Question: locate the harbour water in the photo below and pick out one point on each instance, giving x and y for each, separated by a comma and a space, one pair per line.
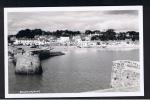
79, 70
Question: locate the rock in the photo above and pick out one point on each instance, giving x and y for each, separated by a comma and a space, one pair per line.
28, 64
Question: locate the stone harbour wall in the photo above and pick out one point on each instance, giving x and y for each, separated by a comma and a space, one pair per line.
125, 73
27, 63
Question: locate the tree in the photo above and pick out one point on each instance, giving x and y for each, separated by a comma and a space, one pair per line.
121, 36
111, 34
37, 32
96, 37
133, 35
87, 32
27, 33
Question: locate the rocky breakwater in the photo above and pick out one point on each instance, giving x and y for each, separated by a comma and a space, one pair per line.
28, 63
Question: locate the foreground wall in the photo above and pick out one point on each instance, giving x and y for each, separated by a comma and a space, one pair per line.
125, 74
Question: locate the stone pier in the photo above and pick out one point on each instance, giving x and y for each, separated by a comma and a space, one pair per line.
125, 74
125, 77
28, 63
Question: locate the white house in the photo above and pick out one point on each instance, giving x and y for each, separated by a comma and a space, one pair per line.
77, 38
30, 42
63, 39
87, 38
87, 44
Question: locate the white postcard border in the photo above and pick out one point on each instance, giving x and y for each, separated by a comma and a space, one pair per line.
57, 95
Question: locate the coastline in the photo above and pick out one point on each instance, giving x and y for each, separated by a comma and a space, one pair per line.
109, 47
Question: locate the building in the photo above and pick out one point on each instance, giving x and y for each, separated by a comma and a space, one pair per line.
87, 44
76, 39
63, 39
30, 42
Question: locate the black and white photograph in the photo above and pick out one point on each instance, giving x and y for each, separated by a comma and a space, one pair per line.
73, 51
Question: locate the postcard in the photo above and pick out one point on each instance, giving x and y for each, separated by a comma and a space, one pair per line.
92, 51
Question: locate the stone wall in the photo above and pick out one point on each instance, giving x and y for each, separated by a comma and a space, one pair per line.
26, 63
125, 74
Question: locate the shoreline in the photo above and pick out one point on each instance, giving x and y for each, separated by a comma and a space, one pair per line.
114, 48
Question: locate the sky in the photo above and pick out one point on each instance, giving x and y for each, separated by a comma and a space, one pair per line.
119, 20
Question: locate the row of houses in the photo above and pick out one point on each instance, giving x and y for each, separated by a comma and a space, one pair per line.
75, 41
29, 42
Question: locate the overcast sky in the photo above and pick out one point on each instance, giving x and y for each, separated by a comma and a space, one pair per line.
120, 20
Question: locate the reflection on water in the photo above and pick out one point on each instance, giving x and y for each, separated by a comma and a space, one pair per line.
81, 69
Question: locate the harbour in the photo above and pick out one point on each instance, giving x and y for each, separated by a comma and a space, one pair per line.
72, 72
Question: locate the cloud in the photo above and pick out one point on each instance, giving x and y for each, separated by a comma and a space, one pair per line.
127, 12
75, 20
